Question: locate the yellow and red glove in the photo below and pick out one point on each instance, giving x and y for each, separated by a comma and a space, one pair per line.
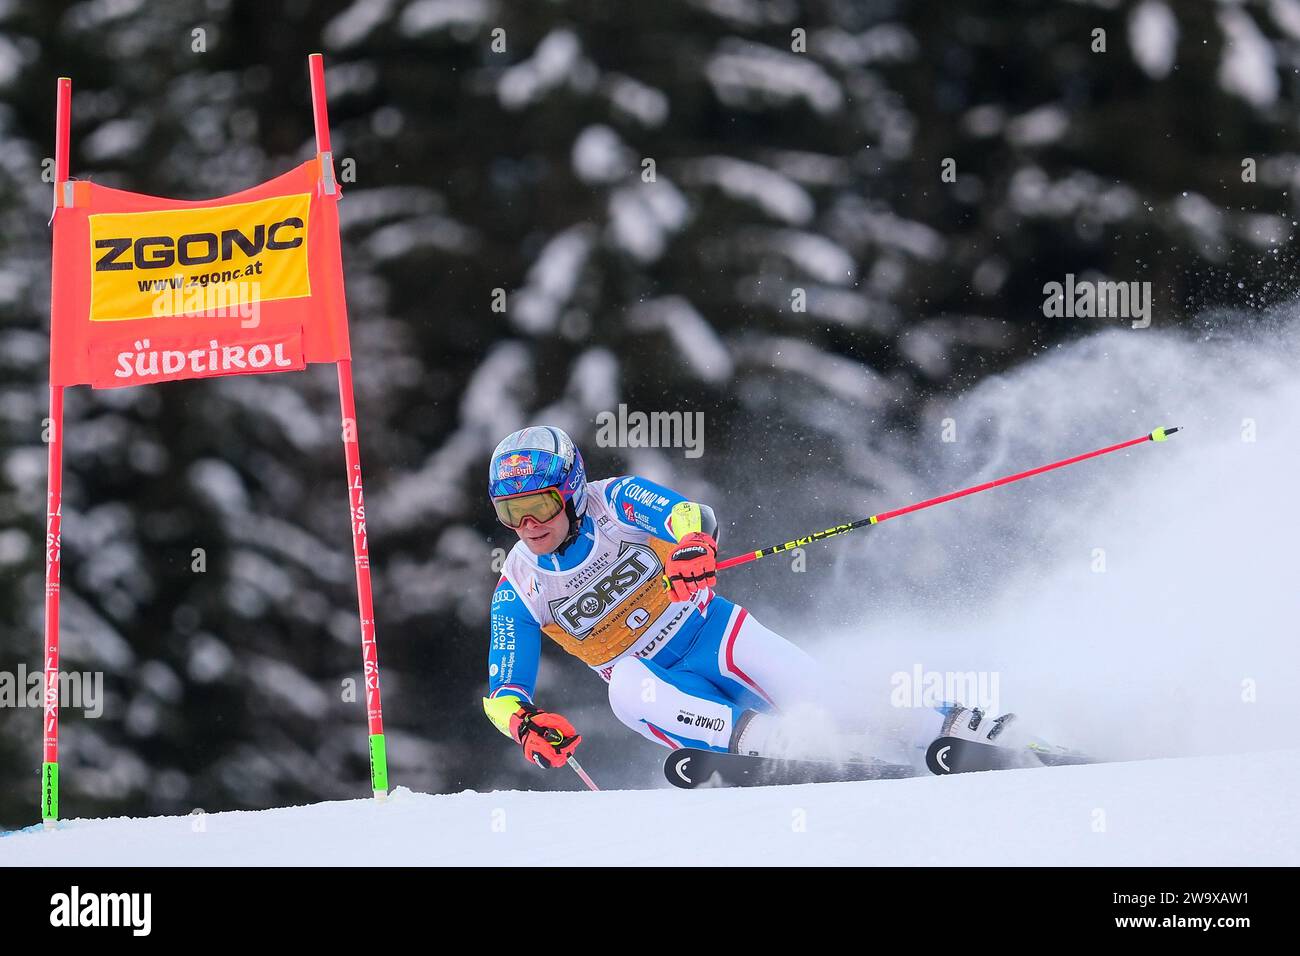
693, 565
548, 739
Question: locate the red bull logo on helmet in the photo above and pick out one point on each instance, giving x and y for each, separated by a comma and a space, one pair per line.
514, 466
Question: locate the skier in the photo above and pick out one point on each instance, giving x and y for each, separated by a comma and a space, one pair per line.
620, 573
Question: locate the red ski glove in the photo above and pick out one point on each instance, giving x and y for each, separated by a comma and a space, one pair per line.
548, 739
693, 565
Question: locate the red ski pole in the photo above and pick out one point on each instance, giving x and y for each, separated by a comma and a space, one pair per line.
555, 737
582, 774
1160, 434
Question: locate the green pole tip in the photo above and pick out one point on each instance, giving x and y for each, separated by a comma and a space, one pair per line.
1162, 434
378, 763
49, 792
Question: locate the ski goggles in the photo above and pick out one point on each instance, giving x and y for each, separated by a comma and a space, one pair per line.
541, 506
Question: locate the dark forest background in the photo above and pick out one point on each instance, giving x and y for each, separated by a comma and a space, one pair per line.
798, 151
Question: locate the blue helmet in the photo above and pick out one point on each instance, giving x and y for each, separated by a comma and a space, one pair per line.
533, 459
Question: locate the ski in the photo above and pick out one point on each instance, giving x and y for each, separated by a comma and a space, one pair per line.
948, 755
690, 769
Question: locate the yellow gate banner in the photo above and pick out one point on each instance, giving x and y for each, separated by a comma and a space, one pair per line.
187, 261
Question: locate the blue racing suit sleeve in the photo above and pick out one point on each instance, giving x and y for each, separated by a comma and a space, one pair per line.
643, 504
516, 645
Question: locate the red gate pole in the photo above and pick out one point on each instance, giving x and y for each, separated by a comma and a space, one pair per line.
356, 493
54, 507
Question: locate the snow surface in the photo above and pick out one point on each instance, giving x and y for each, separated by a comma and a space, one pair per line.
1221, 810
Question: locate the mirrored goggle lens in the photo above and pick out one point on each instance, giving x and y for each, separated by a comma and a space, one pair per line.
539, 505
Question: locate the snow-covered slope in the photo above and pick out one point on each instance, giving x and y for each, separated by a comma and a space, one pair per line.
1221, 810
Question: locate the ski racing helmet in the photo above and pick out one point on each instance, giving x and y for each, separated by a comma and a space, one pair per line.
537, 472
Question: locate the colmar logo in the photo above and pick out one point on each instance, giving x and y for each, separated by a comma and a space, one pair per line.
696, 720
